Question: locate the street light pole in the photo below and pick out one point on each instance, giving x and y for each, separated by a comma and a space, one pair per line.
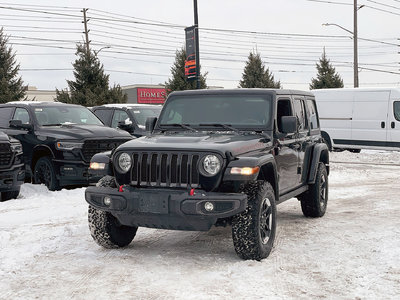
196, 35
355, 41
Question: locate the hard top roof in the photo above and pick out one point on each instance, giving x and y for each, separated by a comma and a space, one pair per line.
241, 91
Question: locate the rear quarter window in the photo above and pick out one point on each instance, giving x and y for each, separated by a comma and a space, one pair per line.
312, 114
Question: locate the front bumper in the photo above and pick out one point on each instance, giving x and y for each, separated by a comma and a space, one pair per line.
166, 208
11, 179
71, 172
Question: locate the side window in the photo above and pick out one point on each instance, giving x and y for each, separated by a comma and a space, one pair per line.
22, 115
119, 115
300, 114
396, 110
283, 109
5, 116
313, 119
104, 115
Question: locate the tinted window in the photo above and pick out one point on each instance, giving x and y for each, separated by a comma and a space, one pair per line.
104, 115
119, 115
313, 119
22, 115
300, 114
57, 115
142, 113
245, 111
5, 116
283, 109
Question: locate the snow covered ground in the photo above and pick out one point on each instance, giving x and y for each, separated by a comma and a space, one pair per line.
353, 252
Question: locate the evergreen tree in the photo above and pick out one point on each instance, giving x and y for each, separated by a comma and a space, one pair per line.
327, 77
178, 81
91, 85
256, 76
11, 85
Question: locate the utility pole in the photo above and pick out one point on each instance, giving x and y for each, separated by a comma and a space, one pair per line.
196, 31
355, 38
85, 20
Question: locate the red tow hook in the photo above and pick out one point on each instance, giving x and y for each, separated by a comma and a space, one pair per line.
191, 193
121, 188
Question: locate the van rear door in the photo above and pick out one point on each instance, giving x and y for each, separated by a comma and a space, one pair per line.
370, 118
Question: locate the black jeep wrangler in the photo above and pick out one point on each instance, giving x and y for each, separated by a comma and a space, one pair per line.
215, 157
58, 140
11, 167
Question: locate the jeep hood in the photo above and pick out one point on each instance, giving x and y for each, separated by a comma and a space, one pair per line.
198, 142
79, 132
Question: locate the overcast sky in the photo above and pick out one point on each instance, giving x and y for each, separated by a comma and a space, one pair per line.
142, 36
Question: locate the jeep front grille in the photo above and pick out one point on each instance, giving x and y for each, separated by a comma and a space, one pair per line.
92, 147
165, 169
5, 154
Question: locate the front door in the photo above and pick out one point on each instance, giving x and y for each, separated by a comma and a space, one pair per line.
394, 124
286, 152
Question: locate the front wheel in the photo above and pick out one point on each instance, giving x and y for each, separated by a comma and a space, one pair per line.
253, 231
105, 229
45, 173
315, 200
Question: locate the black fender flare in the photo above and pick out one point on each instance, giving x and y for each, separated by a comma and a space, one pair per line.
103, 157
267, 172
320, 154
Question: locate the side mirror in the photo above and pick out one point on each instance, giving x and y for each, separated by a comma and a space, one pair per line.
18, 124
289, 124
125, 126
150, 124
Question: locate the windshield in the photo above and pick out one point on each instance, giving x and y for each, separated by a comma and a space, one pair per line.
62, 115
239, 111
142, 113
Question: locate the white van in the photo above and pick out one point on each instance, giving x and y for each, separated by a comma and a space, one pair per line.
360, 118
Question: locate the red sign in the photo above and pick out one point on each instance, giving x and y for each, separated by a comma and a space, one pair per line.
151, 96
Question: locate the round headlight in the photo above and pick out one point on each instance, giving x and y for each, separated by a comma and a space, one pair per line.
124, 162
211, 165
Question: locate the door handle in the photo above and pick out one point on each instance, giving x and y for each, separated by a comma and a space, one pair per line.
382, 124
393, 125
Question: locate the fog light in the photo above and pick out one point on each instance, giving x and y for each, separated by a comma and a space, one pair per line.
208, 206
107, 201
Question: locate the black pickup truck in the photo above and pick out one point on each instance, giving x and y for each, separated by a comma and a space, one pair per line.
11, 167
58, 140
215, 157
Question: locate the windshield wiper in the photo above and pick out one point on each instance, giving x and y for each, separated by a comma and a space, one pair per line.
55, 124
185, 126
225, 126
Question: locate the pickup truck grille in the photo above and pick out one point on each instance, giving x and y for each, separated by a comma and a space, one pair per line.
92, 147
165, 169
5, 154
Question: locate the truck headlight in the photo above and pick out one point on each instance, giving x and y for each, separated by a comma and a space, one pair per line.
66, 145
211, 165
124, 162
16, 148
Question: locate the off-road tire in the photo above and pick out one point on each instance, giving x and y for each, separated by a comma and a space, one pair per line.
315, 200
44, 172
253, 231
105, 229
9, 195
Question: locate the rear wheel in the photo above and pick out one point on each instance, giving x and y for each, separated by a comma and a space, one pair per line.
9, 195
253, 230
315, 200
44, 173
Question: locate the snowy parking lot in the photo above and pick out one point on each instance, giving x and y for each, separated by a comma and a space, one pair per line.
353, 252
